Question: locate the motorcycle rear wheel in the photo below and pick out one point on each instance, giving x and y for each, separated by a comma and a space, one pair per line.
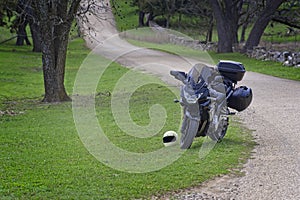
221, 132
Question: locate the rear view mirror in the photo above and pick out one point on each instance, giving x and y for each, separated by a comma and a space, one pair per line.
179, 75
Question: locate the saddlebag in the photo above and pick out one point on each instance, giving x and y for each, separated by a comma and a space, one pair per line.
240, 98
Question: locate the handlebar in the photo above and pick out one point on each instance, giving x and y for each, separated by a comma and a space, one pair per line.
179, 75
212, 98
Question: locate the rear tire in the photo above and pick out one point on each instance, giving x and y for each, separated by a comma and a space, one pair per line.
221, 132
188, 133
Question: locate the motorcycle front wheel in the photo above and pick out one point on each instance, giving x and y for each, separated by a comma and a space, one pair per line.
188, 133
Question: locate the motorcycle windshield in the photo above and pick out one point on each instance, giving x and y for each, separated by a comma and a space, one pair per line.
202, 77
198, 78
201, 72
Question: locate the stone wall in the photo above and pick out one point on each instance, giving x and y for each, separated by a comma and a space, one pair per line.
287, 58
181, 39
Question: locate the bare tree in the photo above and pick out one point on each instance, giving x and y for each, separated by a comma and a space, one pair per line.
16, 15
50, 23
55, 19
227, 13
201, 10
21, 23
26, 15
6, 11
165, 8
251, 9
289, 14
261, 23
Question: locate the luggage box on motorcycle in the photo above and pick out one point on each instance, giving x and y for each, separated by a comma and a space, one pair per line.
240, 99
235, 71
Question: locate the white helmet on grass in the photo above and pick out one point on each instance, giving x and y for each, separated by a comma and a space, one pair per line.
170, 138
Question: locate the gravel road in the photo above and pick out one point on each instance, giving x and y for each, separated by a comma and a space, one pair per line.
274, 170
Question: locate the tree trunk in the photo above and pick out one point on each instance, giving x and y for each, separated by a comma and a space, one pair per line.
233, 23
34, 28
179, 19
168, 19
54, 56
243, 34
257, 31
149, 17
141, 18
55, 22
225, 42
22, 22
261, 24
22, 34
36, 37
210, 30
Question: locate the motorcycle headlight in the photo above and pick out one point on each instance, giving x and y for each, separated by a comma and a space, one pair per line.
190, 98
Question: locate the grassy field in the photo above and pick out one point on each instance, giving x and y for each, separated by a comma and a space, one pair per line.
42, 156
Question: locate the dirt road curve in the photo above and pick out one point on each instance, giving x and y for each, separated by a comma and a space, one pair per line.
274, 171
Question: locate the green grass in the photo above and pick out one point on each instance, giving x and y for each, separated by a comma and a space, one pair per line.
20, 67
42, 156
126, 16
277, 33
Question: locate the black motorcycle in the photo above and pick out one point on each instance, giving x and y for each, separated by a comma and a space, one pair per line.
206, 96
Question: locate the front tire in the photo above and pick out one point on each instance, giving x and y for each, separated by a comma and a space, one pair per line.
188, 133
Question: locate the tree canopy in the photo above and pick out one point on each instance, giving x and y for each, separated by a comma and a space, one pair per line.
229, 15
